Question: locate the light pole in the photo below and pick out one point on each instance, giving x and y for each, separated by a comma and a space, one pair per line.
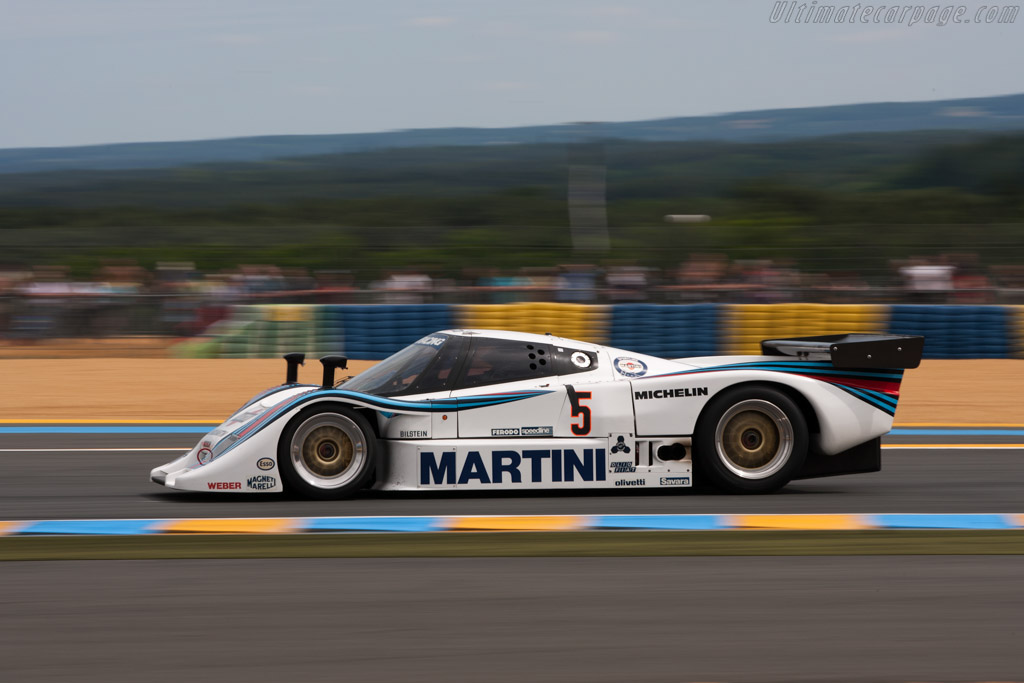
587, 192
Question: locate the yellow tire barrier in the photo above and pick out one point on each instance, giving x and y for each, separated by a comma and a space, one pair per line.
288, 313
746, 325
1017, 331
575, 321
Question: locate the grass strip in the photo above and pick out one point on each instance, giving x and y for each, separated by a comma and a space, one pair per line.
518, 544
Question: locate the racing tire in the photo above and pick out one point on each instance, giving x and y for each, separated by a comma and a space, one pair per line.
750, 440
327, 452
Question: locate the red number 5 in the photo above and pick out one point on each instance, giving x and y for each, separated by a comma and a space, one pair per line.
576, 399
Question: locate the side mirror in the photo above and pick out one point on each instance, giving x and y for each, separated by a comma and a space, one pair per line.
294, 360
331, 363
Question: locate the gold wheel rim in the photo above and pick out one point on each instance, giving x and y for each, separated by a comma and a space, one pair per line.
751, 439
754, 439
327, 451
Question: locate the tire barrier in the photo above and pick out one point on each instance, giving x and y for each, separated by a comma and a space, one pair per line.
1017, 330
670, 331
745, 325
330, 331
667, 331
376, 332
268, 330
956, 331
574, 321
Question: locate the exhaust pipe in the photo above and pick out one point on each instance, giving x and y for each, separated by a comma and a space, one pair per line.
294, 360
330, 363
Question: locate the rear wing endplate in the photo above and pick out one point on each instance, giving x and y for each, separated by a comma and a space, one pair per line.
852, 350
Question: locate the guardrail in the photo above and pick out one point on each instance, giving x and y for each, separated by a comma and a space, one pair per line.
671, 330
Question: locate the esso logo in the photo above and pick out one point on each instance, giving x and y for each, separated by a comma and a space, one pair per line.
265, 464
631, 367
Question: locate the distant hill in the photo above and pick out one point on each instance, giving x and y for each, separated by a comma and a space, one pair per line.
849, 202
635, 169
974, 114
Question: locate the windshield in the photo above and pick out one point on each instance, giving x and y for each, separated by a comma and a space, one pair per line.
396, 374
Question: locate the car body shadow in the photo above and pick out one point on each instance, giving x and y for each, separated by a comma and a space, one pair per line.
702, 490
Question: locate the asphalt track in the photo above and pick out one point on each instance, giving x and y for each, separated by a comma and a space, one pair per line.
766, 619
105, 475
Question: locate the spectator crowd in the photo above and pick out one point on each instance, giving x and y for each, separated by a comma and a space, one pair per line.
177, 299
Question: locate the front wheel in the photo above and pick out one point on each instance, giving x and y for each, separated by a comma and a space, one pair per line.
327, 451
750, 440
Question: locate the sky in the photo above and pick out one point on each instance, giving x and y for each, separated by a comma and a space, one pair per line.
79, 72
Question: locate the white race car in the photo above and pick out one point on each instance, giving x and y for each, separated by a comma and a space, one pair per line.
487, 410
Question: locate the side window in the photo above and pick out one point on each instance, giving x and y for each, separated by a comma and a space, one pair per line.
496, 361
437, 376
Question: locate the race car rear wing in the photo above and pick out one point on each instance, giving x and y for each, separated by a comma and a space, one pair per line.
852, 350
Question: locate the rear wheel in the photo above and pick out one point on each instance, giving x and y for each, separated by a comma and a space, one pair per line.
327, 451
750, 440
